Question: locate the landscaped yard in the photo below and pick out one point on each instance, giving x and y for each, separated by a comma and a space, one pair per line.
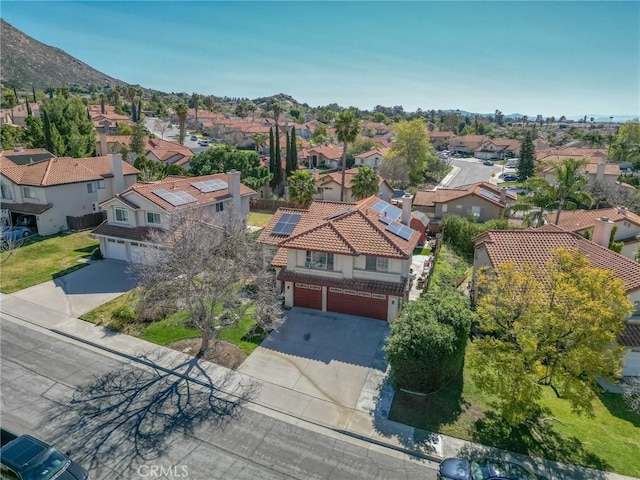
41, 259
609, 441
258, 219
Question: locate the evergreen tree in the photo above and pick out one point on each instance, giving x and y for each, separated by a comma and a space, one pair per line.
287, 155
294, 150
526, 164
278, 158
137, 140
275, 177
34, 93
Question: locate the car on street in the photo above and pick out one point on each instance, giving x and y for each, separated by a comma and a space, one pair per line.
488, 163
194, 138
203, 143
483, 469
12, 234
510, 177
27, 458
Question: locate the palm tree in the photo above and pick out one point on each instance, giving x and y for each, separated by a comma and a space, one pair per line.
259, 139
302, 188
365, 183
347, 129
540, 197
567, 189
181, 112
195, 99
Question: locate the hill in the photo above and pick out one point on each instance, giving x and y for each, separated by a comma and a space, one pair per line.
26, 62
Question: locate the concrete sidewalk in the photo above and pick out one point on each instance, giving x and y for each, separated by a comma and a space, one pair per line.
366, 422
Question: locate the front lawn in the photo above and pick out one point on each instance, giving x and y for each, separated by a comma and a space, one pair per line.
609, 441
258, 219
41, 259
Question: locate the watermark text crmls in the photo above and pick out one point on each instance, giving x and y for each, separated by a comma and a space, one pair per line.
157, 471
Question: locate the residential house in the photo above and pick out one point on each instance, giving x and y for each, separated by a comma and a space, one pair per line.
328, 154
557, 154
156, 149
483, 200
107, 123
134, 213
466, 144
18, 114
374, 158
25, 156
498, 148
582, 221
58, 193
495, 248
606, 173
330, 186
441, 140
351, 258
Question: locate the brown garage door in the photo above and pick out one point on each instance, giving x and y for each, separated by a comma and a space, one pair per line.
364, 304
308, 296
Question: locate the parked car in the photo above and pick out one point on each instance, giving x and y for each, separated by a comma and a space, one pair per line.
483, 469
509, 177
203, 143
11, 234
488, 163
27, 458
194, 138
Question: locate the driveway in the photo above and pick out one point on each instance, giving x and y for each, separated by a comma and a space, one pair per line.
82, 290
472, 170
332, 357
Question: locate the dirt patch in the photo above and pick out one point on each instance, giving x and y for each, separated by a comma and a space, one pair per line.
220, 352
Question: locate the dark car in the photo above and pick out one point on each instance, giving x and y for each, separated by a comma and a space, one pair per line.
509, 177
484, 469
488, 163
27, 458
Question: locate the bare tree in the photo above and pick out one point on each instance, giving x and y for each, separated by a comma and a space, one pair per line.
396, 171
631, 393
161, 124
8, 245
217, 274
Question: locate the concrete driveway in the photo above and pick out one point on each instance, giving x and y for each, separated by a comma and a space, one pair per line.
332, 357
82, 290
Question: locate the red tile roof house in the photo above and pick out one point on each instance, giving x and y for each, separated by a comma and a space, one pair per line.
494, 248
440, 140
374, 158
156, 149
133, 214
327, 154
579, 221
54, 189
466, 143
483, 200
351, 258
330, 185
25, 156
606, 173
498, 148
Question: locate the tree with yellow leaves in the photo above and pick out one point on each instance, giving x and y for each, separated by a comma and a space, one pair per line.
555, 326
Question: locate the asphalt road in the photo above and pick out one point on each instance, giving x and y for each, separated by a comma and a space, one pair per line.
122, 421
172, 135
472, 170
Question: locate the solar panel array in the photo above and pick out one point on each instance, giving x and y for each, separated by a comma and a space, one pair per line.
286, 224
207, 186
387, 209
174, 198
386, 220
400, 230
490, 195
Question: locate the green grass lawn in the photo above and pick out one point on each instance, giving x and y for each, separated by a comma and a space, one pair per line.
608, 441
43, 258
421, 251
258, 219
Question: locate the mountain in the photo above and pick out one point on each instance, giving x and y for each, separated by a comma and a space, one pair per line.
26, 62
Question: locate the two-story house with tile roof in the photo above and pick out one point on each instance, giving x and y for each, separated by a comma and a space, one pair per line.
330, 185
467, 144
50, 191
374, 158
326, 154
133, 214
498, 148
25, 156
483, 200
156, 149
351, 258
494, 248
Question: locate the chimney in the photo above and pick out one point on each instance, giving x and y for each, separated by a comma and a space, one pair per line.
316, 175
233, 179
118, 175
600, 172
407, 202
503, 195
602, 231
622, 210
104, 148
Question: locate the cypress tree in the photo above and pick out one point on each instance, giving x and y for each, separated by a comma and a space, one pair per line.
272, 160
287, 161
278, 158
34, 93
294, 150
526, 164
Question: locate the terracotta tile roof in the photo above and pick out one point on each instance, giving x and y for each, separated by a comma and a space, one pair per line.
5, 162
330, 151
374, 151
24, 151
609, 169
469, 139
358, 231
537, 245
176, 184
27, 208
374, 286
571, 152
348, 178
429, 198
25, 156
579, 220
136, 233
630, 336
102, 166
441, 134
280, 258
55, 171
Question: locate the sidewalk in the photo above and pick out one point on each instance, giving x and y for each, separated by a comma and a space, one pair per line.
367, 422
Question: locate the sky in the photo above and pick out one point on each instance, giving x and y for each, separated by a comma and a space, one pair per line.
546, 57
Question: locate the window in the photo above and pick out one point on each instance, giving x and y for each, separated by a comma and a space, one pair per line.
444, 208
319, 260
91, 187
476, 211
6, 191
219, 207
377, 264
28, 192
153, 218
100, 184
122, 215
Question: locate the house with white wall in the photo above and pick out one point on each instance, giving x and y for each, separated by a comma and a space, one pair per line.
374, 158
131, 216
330, 186
351, 258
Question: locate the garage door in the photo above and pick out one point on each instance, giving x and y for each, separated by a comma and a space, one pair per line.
631, 364
116, 249
137, 252
352, 302
308, 296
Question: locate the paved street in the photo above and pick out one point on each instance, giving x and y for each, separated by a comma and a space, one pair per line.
472, 170
119, 420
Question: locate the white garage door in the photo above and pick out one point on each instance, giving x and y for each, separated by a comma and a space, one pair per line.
631, 364
137, 252
116, 249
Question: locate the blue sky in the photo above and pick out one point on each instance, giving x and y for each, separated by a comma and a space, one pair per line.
550, 58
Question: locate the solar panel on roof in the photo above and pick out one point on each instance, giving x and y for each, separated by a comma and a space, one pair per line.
212, 185
489, 195
174, 198
344, 211
387, 209
386, 220
286, 224
400, 230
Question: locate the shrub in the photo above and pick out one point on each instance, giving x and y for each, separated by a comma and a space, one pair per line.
96, 254
124, 313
